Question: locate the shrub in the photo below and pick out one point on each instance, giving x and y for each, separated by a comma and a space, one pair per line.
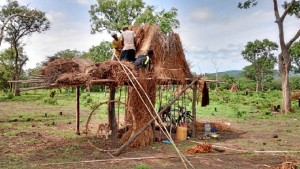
142, 166
9, 95
51, 101
52, 93
240, 114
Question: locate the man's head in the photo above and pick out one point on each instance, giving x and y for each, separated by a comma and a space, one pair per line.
113, 34
125, 28
150, 52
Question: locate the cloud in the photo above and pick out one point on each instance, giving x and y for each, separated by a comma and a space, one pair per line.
55, 15
227, 58
63, 34
201, 14
83, 2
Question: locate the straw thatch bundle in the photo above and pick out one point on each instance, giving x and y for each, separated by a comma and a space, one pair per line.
66, 72
138, 114
72, 79
111, 70
169, 61
54, 69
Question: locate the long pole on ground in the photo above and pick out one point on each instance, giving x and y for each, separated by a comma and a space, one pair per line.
132, 138
77, 110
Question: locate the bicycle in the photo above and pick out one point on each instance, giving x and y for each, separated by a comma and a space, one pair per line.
184, 117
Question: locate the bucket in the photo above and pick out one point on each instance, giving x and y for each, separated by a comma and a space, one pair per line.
181, 133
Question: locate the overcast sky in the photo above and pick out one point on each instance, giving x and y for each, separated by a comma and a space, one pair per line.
210, 30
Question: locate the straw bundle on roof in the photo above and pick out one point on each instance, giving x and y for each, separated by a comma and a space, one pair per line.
56, 68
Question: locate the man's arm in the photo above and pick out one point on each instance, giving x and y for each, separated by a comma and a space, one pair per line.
134, 42
122, 40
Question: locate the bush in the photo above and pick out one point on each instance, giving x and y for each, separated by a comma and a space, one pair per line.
52, 93
51, 101
89, 100
9, 95
142, 166
240, 113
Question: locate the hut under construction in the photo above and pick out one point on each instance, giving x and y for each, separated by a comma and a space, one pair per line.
169, 68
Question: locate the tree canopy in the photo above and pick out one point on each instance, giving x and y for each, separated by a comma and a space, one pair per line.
112, 15
9, 11
260, 55
25, 22
68, 54
99, 53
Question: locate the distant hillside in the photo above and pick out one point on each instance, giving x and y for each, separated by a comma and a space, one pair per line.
237, 73
234, 73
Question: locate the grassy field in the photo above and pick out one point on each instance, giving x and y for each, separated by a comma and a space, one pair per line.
37, 130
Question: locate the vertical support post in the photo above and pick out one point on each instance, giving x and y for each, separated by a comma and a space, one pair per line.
299, 102
112, 115
194, 110
77, 110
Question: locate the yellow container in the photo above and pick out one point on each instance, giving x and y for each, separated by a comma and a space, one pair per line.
181, 133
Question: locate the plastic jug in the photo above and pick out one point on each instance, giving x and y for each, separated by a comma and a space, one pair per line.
207, 129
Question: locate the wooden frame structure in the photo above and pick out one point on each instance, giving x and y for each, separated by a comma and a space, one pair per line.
192, 83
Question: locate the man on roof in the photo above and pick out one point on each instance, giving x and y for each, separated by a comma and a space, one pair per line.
116, 45
128, 40
145, 61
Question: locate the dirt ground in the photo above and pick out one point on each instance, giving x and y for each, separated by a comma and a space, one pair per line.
31, 139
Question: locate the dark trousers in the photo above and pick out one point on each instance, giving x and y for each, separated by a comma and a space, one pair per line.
128, 55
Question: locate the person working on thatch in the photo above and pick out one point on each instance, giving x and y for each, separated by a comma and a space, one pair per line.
116, 45
144, 61
128, 40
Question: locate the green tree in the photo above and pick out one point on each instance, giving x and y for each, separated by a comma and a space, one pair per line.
6, 67
284, 59
295, 83
19, 27
68, 54
4, 77
295, 54
8, 12
34, 71
112, 15
148, 16
228, 81
9, 66
99, 53
260, 55
167, 20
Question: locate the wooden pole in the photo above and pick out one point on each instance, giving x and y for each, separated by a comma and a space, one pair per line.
77, 110
112, 115
194, 110
132, 138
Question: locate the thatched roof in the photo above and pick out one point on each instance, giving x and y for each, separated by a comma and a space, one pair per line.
169, 62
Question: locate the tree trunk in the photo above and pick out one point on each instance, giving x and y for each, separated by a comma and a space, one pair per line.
257, 84
17, 73
286, 101
284, 67
284, 57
